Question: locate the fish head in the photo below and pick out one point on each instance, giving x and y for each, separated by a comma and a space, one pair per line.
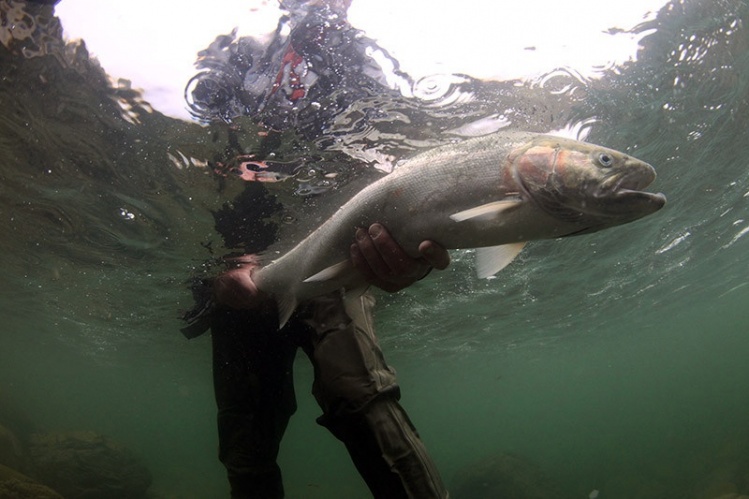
591, 186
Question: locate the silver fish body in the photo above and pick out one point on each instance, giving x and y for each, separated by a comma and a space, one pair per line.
493, 193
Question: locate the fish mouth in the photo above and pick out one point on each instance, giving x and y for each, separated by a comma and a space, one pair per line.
620, 205
626, 181
628, 188
657, 199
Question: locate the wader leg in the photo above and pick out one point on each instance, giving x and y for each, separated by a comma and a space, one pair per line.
253, 383
358, 394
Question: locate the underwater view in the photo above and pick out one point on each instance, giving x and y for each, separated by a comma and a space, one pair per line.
609, 365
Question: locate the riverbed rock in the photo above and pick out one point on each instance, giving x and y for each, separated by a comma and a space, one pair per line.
12, 453
504, 475
87, 465
15, 485
13, 417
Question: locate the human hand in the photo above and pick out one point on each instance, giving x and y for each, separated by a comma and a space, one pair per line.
235, 288
385, 264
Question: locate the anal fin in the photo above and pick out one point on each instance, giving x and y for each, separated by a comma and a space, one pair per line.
286, 306
491, 260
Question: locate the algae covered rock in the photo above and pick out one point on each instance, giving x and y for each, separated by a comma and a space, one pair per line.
504, 476
86, 465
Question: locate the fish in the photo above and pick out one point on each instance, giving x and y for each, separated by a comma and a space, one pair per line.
493, 193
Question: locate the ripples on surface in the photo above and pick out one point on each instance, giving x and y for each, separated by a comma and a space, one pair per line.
88, 187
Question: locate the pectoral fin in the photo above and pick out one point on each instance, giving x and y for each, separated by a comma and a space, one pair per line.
333, 272
491, 260
486, 211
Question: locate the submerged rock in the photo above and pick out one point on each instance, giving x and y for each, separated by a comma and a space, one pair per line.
15, 485
12, 453
12, 417
504, 476
86, 465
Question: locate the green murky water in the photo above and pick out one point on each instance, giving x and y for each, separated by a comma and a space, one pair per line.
615, 362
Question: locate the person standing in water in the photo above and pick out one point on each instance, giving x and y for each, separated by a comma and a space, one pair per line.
252, 360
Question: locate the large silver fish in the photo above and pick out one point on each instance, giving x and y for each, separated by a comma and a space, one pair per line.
493, 193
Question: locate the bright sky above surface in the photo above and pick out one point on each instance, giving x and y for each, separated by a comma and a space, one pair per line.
154, 44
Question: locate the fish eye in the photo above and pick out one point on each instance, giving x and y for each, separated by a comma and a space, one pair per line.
605, 159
